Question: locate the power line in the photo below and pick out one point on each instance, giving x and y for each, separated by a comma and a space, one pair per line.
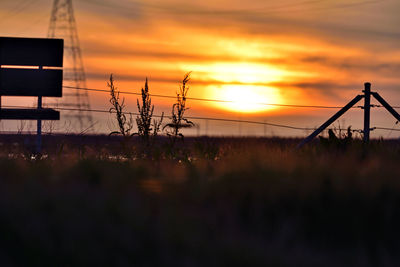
39, 20
18, 9
206, 118
188, 117
208, 99
231, 120
224, 101
200, 118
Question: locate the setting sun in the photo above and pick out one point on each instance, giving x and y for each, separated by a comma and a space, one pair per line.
246, 98
248, 95
241, 87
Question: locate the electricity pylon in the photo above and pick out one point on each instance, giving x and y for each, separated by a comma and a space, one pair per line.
63, 25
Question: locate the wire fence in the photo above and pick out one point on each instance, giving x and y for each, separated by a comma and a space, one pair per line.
188, 117
393, 129
205, 118
292, 127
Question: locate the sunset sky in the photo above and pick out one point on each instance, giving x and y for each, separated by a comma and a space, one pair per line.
258, 51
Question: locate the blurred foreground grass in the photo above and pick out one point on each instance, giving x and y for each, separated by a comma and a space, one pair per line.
215, 202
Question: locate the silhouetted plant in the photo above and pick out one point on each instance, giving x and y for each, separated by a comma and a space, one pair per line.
125, 126
178, 121
144, 119
338, 139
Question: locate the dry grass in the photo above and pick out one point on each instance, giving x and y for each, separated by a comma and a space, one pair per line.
216, 202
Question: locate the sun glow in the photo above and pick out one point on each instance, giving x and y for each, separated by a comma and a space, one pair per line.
246, 98
243, 86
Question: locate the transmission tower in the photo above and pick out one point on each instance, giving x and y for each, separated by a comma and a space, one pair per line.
63, 25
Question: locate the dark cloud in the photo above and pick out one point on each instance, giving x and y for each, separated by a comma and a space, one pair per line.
105, 50
355, 65
320, 85
345, 23
308, 18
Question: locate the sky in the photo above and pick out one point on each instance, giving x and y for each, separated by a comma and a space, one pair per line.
311, 52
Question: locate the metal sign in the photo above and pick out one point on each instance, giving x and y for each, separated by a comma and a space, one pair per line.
31, 67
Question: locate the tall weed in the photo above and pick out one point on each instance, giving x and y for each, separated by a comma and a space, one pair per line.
178, 120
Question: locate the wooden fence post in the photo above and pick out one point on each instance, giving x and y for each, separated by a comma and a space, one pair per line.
367, 111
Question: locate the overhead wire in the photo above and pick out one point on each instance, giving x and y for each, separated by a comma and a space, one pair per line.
188, 117
208, 99
17, 10
225, 101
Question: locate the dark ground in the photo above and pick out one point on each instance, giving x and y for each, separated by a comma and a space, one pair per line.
96, 200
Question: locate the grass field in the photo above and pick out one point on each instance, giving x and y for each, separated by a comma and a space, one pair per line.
206, 202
